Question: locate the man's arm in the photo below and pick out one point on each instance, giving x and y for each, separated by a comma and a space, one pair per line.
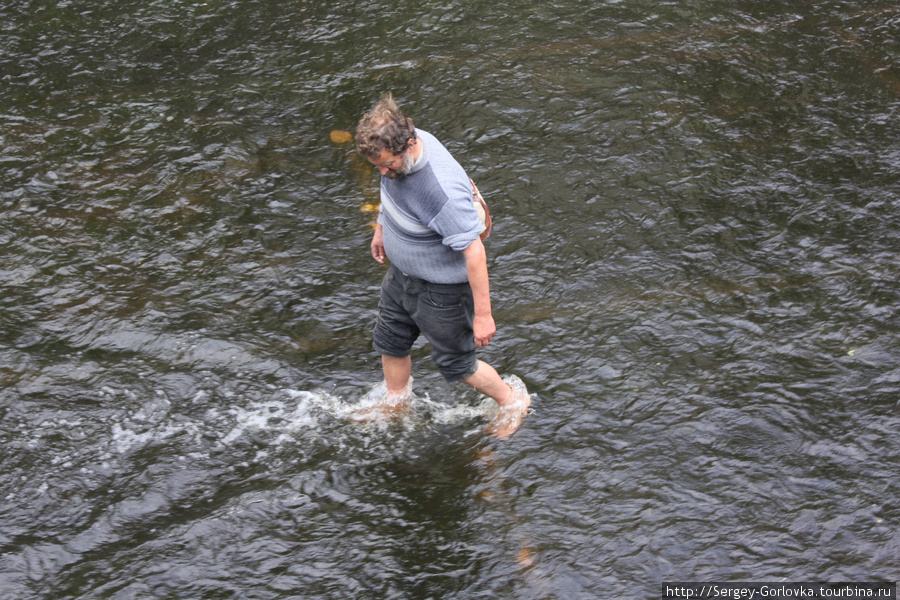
476, 265
378, 244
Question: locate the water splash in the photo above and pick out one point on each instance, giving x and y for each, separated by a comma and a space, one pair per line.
277, 416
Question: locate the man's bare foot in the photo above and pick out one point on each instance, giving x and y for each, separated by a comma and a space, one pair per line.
510, 414
381, 405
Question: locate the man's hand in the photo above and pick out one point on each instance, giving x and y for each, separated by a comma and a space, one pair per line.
378, 245
476, 266
484, 330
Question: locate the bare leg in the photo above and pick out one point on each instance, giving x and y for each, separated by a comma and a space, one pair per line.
512, 398
487, 381
397, 372
398, 388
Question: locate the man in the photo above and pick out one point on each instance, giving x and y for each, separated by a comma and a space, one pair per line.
437, 285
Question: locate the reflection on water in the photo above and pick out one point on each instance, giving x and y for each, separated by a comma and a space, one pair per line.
694, 265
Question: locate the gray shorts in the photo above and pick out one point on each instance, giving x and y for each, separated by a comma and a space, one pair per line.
442, 312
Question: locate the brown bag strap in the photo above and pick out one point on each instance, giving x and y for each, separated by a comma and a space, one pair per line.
486, 217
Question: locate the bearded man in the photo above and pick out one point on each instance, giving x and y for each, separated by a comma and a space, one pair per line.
437, 284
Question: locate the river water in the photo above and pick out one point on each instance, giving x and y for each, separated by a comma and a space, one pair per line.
695, 267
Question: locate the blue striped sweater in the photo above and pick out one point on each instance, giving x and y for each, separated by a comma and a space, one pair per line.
427, 216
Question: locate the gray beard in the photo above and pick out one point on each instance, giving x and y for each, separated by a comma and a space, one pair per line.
405, 167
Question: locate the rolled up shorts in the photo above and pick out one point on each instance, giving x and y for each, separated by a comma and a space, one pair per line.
442, 312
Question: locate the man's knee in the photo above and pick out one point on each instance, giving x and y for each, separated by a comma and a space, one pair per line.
393, 338
456, 368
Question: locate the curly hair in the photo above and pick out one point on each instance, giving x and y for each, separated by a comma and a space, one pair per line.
384, 128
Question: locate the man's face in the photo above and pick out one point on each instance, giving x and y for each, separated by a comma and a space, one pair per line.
392, 165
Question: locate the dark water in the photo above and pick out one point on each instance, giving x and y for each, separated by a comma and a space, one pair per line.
695, 268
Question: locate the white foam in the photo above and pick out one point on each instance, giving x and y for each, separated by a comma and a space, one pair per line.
283, 417
454, 414
127, 440
421, 409
270, 416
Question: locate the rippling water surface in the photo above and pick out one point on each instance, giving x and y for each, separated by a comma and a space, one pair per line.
695, 267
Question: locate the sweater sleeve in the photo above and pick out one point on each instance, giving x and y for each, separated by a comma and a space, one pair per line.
457, 222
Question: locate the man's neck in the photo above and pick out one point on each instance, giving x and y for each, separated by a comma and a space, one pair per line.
416, 149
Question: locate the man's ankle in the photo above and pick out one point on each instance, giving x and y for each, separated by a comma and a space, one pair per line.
510, 397
399, 395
